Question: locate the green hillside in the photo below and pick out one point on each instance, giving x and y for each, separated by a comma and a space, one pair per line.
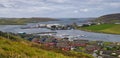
15, 47
105, 28
109, 23
110, 18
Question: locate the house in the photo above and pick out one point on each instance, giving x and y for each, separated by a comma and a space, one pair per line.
117, 23
82, 43
107, 52
117, 43
66, 48
108, 56
100, 43
81, 40
113, 54
118, 53
118, 56
36, 40
91, 48
51, 44
94, 55
64, 45
100, 57
75, 44
41, 25
50, 25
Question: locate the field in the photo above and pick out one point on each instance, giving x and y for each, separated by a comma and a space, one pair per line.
105, 28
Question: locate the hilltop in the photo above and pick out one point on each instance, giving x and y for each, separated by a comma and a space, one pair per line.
110, 18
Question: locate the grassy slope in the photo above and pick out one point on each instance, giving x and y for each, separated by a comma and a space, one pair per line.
106, 28
10, 49
15, 47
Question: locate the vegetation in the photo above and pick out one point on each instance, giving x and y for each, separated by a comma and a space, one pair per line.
108, 24
110, 18
20, 21
15, 47
105, 28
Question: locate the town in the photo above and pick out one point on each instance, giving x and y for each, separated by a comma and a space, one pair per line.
65, 42
98, 49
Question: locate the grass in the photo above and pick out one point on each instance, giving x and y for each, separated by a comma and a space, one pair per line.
10, 49
16, 47
105, 28
115, 29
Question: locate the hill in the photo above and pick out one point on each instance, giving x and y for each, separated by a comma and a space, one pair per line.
109, 24
19, 21
15, 47
110, 18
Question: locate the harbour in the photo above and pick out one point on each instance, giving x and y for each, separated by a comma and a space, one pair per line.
78, 34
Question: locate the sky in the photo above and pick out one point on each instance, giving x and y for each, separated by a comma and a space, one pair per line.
58, 8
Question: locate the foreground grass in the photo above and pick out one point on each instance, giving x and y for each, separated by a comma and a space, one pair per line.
10, 49
104, 28
15, 47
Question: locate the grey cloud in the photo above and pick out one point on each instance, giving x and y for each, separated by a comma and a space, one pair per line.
59, 7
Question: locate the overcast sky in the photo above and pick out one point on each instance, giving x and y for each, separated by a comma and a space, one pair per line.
58, 8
